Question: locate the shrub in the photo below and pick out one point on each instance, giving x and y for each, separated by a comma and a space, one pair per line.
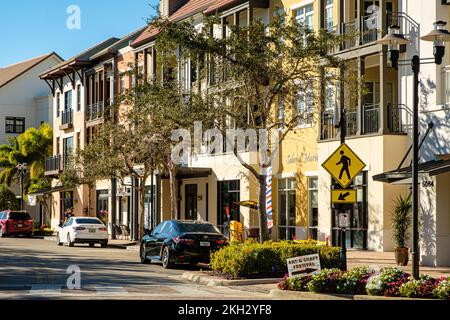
299, 283
422, 288
355, 280
240, 260
284, 283
326, 280
387, 282
442, 290
401, 220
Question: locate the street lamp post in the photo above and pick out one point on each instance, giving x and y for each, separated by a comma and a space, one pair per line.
394, 39
21, 171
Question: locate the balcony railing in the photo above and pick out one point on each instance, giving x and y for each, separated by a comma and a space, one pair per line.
371, 118
97, 111
53, 165
67, 117
399, 120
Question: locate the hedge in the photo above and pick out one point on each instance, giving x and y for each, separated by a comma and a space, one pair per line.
249, 258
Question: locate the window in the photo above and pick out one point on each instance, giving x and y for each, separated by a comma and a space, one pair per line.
149, 211
14, 125
305, 108
78, 97
102, 205
68, 100
329, 24
68, 150
58, 104
228, 193
313, 207
305, 16
286, 208
356, 235
66, 204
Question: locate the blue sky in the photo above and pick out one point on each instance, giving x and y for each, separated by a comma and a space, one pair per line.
30, 28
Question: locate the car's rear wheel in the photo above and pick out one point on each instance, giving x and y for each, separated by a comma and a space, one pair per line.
58, 241
69, 241
166, 258
104, 244
143, 255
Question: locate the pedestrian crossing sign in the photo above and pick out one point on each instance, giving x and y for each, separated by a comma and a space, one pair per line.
344, 165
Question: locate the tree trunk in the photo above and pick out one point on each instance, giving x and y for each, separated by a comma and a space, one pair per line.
89, 201
141, 208
173, 203
263, 229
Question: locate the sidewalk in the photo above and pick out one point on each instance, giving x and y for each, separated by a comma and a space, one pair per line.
382, 259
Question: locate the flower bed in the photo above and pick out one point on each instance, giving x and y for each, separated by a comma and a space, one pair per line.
255, 260
389, 282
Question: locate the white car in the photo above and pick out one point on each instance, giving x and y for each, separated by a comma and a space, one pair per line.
83, 230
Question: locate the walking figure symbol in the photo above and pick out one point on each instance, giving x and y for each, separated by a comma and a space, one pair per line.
346, 162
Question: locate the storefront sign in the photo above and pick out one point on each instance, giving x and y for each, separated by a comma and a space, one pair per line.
32, 200
344, 165
304, 265
344, 220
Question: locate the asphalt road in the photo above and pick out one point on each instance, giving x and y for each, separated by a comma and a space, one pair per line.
38, 269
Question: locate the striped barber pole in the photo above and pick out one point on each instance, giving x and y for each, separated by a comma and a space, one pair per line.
269, 198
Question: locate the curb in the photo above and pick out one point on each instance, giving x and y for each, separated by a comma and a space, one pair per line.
131, 246
219, 282
301, 295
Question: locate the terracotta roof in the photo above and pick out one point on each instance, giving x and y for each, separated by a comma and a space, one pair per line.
221, 4
190, 8
9, 73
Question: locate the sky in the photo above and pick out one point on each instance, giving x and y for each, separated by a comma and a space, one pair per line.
30, 28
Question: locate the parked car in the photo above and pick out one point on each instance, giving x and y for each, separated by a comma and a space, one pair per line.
13, 223
83, 230
176, 241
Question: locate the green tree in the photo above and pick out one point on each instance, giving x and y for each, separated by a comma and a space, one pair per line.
241, 77
8, 200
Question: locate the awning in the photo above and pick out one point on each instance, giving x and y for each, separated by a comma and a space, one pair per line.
403, 175
190, 173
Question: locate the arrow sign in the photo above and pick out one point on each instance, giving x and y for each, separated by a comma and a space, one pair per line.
343, 196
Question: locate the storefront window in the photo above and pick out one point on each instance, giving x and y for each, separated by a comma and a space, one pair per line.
286, 209
102, 205
356, 235
228, 193
313, 207
149, 217
66, 205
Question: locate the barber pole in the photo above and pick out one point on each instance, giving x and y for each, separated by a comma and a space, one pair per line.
269, 198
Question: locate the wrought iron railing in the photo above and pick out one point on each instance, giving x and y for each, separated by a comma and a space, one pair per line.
399, 118
370, 118
67, 117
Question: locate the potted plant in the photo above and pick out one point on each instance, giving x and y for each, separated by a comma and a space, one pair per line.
401, 221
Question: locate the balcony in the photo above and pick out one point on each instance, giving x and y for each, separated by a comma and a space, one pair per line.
97, 111
366, 30
399, 121
66, 120
53, 165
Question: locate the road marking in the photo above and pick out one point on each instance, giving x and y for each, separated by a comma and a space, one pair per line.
45, 289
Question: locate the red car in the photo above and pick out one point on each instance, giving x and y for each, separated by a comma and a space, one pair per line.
15, 223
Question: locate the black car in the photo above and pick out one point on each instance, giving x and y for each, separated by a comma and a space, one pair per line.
176, 241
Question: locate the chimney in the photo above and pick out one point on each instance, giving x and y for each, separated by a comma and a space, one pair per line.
168, 7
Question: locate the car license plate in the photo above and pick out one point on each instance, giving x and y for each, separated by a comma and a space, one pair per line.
92, 230
19, 225
205, 244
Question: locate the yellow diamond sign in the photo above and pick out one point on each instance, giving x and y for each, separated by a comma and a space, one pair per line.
344, 165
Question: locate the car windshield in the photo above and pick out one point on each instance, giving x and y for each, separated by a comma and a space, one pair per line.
88, 221
197, 227
19, 216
